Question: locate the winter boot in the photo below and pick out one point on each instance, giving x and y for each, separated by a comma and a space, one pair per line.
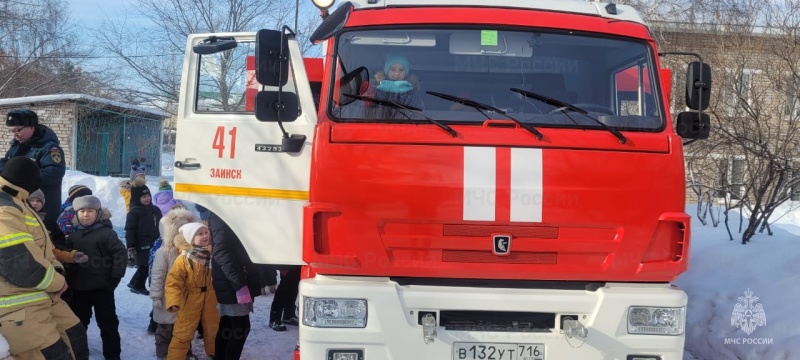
277, 326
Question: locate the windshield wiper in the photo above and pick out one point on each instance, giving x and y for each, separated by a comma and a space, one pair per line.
563, 107
481, 106
400, 107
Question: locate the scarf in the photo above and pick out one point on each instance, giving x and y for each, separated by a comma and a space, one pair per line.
199, 255
395, 86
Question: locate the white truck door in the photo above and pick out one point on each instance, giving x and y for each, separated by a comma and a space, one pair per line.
224, 157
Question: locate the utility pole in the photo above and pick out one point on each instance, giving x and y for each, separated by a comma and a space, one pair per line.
296, 13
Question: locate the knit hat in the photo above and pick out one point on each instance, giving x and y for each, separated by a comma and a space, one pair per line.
86, 202
138, 171
23, 172
77, 191
38, 194
395, 59
190, 230
22, 118
164, 185
138, 189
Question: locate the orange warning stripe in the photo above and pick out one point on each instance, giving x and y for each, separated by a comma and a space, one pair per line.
242, 191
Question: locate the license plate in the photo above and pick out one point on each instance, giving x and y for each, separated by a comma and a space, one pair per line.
497, 351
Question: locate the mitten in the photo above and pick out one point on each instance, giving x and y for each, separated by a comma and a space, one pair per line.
243, 296
80, 257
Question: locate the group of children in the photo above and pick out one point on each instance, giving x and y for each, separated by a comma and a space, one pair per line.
173, 251
96, 261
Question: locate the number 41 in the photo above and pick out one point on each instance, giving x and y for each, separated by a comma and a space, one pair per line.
219, 141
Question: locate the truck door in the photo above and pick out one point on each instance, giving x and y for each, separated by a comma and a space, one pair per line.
225, 158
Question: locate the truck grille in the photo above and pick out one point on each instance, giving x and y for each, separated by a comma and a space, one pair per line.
473, 256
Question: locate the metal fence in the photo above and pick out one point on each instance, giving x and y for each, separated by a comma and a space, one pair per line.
107, 141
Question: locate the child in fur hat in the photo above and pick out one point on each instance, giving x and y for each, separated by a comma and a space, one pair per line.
67, 212
93, 283
163, 259
190, 294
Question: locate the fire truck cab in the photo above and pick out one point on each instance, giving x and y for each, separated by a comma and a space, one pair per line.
473, 179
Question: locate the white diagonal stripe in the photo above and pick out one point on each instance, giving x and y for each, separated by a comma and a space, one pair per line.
526, 185
480, 183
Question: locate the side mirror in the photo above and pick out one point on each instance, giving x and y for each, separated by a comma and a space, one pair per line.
274, 106
350, 84
332, 24
698, 85
272, 64
693, 125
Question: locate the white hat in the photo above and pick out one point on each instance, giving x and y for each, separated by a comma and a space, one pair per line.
190, 230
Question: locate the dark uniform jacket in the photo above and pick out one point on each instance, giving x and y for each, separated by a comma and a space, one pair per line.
44, 148
231, 268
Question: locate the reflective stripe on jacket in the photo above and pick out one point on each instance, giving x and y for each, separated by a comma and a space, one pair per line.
29, 269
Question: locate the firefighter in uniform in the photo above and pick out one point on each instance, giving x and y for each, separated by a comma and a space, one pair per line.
33, 318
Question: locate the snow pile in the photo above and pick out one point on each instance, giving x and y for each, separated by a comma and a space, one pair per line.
724, 273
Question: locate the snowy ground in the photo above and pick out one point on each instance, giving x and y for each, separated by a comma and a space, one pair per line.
133, 311
720, 273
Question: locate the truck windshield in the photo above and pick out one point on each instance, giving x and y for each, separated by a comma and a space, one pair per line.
610, 78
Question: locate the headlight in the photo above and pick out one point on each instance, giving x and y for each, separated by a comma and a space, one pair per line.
655, 320
335, 313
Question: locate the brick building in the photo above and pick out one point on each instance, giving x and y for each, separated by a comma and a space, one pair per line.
99, 136
754, 99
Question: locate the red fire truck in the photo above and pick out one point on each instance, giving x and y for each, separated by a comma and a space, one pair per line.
460, 179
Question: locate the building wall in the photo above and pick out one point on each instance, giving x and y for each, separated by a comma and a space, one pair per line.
60, 117
760, 53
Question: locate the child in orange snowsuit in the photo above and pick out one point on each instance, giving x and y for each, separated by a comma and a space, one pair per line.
189, 293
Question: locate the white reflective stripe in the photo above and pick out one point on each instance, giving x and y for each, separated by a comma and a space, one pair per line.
526, 185
480, 183
48, 279
15, 300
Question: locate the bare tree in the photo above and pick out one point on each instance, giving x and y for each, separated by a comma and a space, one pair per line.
151, 57
750, 161
38, 54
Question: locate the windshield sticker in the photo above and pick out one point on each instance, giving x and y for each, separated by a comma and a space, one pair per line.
488, 37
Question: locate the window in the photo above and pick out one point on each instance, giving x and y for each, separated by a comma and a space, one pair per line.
611, 78
226, 80
791, 108
732, 177
633, 92
735, 91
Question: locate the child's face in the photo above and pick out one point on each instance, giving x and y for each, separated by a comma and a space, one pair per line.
36, 204
145, 199
397, 72
87, 216
202, 238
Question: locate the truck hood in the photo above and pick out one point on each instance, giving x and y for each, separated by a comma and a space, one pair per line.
575, 206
